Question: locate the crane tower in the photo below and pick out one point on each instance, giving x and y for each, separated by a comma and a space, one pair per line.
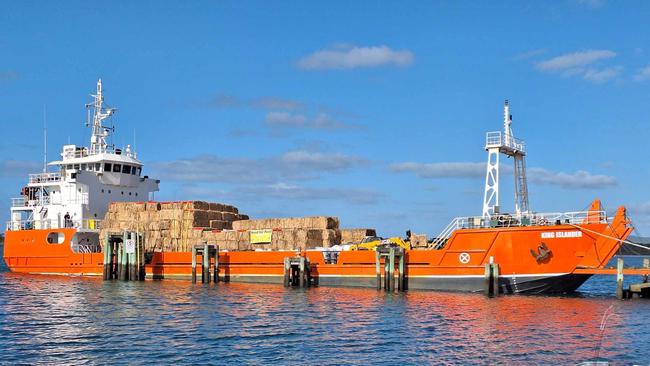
497, 143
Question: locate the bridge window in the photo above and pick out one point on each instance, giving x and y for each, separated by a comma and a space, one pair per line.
107, 167
98, 166
139, 171
134, 170
126, 169
117, 168
83, 167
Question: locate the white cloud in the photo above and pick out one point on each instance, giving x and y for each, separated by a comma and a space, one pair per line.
348, 57
442, 170
284, 191
267, 102
295, 120
582, 64
643, 74
577, 179
529, 54
599, 76
321, 161
293, 165
574, 60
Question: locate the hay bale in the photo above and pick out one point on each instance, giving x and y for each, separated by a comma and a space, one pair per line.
418, 240
316, 222
229, 216
152, 206
355, 235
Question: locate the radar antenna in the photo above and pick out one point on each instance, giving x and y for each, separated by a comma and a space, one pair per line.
100, 132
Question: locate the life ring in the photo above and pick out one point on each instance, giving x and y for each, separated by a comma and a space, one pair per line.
464, 258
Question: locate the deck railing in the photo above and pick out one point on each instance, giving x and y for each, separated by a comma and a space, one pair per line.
45, 178
79, 199
529, 219
500, 139
81, 225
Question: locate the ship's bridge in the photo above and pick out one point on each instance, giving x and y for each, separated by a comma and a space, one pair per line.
87, 180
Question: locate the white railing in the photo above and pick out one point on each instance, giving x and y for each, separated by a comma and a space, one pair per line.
80, 199
499, 139
529, 219
82, 225
18, 202
44, 177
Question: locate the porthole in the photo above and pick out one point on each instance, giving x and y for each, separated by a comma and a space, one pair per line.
55, 238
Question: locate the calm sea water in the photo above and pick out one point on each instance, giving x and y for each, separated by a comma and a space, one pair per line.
72, 320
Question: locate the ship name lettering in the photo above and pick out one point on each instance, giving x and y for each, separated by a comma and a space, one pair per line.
561, 234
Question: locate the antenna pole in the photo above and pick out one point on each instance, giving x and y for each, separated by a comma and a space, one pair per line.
98, 143
44, 138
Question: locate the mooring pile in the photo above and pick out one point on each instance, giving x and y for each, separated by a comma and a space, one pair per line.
177, 226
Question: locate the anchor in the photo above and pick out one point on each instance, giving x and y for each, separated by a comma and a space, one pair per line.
542, 254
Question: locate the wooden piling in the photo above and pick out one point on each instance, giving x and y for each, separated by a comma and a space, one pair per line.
193, 264
205, 274
125, 263
495, 279
131, 258
108, 258
620, 293
489, 290
401, 286
141, 260
391, 279
386, 272
287, 271
301, 273
216, 263
378, 269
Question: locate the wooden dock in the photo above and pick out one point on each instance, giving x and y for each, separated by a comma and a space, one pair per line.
634, 290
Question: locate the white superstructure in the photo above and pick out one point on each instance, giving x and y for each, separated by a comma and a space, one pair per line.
84, 182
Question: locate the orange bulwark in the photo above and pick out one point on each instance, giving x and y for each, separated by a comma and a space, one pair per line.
546, 257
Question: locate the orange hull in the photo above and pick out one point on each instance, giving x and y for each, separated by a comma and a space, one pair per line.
458, 266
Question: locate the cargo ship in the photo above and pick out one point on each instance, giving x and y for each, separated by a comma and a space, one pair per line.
56, 222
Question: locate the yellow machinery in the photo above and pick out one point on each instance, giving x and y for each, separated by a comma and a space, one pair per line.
371, 243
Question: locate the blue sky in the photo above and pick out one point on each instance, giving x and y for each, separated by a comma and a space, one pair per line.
375, 112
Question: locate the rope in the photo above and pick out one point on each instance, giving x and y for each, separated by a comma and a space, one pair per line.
612, 237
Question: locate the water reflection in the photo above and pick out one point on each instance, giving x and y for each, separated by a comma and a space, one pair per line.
46, 319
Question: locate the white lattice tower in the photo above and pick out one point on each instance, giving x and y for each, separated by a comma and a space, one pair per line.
504, 143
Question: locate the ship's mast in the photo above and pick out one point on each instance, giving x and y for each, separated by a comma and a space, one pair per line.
100, 132
504, 143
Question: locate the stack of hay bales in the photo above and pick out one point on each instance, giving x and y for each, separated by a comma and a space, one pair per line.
169, 226
351, 236
292, 233
177, 226
419, 240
